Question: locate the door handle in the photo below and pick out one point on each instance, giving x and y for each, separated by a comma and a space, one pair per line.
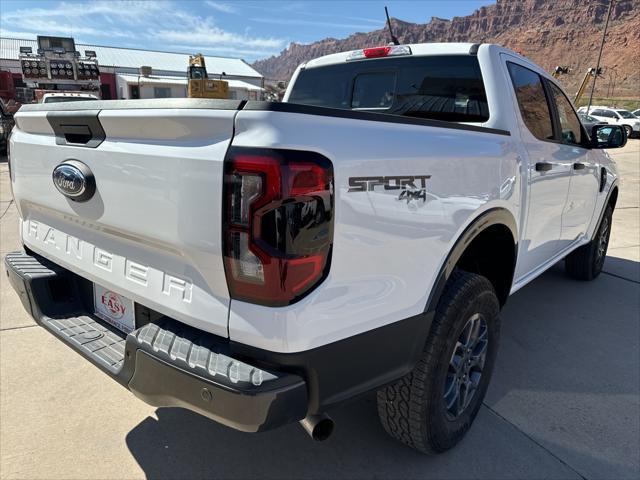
578, 166
543, 166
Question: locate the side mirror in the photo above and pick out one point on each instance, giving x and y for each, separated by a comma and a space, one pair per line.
608, 136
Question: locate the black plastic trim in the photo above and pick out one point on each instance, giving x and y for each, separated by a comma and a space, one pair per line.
543, 166
603, 179
78, 129
161, 385
604, 209
474, 49
348, 368
368, 116
494, 216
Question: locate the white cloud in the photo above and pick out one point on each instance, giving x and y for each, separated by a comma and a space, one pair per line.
16, 34
221, 7
152, 24
207, 34
223, 51
315, 23
38, 25
82, 18
87, 10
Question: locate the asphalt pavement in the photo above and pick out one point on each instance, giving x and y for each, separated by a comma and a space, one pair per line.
564, 401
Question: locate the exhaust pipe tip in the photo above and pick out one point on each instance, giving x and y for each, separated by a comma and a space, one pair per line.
319, 427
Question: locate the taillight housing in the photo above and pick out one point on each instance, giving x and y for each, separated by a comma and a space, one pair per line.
277, 223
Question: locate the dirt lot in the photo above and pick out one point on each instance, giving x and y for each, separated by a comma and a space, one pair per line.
564, 400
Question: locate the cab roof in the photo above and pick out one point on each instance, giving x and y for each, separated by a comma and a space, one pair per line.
417, 50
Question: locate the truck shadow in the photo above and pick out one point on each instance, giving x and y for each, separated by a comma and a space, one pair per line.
553, 346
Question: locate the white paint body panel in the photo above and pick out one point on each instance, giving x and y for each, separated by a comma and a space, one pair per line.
157, 208
159, 193
386, 253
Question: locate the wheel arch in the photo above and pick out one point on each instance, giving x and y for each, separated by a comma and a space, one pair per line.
494, 230
613, 197
611, 200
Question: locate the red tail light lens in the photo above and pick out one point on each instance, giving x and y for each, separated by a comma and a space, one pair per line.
278, 224
376, 52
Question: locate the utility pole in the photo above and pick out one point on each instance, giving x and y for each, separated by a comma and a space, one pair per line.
604, 34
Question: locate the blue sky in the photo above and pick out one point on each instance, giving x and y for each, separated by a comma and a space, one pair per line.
245, 29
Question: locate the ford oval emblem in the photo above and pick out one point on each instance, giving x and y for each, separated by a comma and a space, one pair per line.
74, 180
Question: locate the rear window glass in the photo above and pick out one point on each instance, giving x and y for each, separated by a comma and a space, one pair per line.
373, 90
625, 114
447, 87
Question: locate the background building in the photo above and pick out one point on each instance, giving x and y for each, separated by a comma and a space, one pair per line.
120, 73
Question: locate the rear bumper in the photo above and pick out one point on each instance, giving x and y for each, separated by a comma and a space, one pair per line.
163, 362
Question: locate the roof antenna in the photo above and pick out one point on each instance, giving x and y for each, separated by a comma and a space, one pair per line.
394, 40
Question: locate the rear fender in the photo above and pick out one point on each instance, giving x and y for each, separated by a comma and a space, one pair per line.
494, 216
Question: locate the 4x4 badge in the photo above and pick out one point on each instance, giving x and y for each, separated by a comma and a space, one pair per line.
405, 183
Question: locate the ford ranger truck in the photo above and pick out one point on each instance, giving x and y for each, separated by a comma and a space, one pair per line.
262, 263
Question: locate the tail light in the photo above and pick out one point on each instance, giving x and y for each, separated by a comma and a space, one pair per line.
278, 224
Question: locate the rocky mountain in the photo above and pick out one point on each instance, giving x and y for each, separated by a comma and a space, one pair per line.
551, 32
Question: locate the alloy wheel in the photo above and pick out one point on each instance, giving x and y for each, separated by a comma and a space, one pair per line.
603, 240
628, 130
466, 366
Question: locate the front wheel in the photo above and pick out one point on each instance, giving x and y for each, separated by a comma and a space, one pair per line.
628, 130
431, 408
586, 262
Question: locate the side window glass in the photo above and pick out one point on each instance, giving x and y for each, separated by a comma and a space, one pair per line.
532, 101
569, 122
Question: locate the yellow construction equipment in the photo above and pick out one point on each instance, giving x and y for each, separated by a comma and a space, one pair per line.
591, 73
200, 86
560, 71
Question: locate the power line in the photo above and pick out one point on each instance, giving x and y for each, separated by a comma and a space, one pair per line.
604, 34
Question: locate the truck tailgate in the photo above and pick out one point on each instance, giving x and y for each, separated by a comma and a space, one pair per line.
151, 231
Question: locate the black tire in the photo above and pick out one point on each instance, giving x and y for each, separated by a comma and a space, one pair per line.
586, 262
629, 130
414, 410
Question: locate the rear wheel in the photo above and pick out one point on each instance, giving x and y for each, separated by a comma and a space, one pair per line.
431, 408
586, 262
628, 130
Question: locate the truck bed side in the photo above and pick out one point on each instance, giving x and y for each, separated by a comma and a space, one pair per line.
387, 250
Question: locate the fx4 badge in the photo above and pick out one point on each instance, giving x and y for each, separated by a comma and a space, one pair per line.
405, 183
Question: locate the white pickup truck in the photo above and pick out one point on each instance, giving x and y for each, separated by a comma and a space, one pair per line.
261, 263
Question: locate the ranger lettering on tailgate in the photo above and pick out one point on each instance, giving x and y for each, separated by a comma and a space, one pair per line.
81, 251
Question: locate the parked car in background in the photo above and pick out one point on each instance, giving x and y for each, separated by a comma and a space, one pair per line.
636, 112
6, 124
589, 122
68, 97
615, 116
